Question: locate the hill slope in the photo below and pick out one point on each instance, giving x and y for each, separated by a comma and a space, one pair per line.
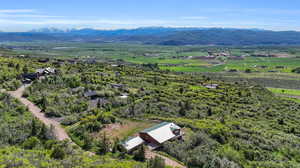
235, 125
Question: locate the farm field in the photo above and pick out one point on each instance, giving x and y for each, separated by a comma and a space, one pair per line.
288, 94
273, 72
175, 58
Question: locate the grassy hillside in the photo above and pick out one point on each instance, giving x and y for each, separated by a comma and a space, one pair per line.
235, 125
25, 142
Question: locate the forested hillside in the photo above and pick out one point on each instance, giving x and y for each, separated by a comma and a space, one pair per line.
232, 125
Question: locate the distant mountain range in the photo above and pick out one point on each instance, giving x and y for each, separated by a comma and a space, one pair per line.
161, 36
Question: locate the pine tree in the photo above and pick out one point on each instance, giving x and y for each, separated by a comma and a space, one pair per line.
33, 128
103, 146
87, 142
58, 153
43, 132
25, 69
139, 155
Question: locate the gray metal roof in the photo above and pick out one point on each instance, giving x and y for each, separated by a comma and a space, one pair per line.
162, 132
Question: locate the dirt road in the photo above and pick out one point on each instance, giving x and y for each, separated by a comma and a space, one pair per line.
168, 161
59, 132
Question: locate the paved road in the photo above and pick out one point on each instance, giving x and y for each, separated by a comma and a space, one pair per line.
59, 132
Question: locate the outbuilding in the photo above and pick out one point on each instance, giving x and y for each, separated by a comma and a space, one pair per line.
132, 143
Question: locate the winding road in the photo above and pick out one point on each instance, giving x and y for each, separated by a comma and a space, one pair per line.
60, 132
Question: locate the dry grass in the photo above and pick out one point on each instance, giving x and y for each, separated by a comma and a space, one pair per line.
125, 129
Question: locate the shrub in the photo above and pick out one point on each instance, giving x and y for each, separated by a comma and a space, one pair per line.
31, 143
139, 155
296, 70
156, 162
58, 152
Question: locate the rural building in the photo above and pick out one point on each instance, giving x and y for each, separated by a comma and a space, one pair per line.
155, 136
44, 60
46, 71
211, 57
117, 86
212, 86
133, 143
29, 77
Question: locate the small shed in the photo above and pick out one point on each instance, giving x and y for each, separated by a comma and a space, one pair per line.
132, 143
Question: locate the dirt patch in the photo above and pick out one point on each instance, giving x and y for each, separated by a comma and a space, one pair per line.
125, 129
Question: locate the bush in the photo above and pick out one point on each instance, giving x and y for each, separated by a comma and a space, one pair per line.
156, 162
52, 112
31, 143
69, 120
139, 155
296, 70
248, 71
58, 152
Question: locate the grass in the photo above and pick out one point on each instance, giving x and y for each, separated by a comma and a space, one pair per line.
126, 129
255, 63
217, 68
292, 92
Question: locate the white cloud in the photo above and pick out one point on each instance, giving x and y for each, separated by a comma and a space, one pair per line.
193, 18
27, 16
17, 11
81, 22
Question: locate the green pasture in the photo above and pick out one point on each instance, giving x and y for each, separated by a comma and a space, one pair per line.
292, 92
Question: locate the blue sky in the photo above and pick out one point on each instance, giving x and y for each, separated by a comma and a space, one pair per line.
16, 15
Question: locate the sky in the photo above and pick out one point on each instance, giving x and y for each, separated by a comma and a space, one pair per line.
25, 15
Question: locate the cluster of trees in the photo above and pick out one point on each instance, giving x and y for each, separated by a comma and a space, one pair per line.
12, 69
296, 70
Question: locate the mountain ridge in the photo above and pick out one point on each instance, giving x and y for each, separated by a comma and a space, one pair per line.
161, 36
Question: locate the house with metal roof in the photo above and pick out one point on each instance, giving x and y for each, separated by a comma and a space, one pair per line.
46, 71
155, 136
158, 134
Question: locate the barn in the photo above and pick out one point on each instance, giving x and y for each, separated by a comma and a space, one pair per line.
155, 136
